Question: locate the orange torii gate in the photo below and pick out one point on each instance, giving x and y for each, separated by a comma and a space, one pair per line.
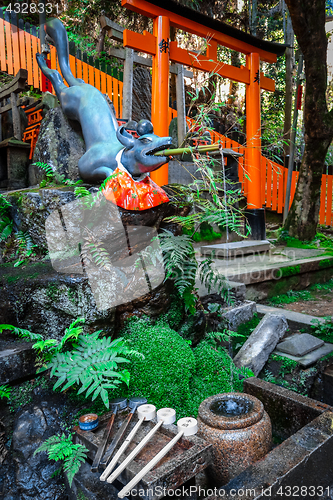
217, 33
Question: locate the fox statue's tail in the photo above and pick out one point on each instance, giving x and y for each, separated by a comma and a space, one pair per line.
56, 30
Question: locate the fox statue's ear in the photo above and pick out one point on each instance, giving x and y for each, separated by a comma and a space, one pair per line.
145, 127
125, 138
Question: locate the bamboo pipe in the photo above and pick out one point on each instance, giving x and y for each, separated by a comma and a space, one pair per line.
190, 149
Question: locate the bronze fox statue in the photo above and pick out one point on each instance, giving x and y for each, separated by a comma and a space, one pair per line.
107, 144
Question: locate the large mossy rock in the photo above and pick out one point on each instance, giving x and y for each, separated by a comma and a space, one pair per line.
30, 209
60, 144
46, 302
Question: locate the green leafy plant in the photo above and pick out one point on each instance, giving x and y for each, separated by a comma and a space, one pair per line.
323, 330
63, 448
93, 250
5, 391
178, 259
93, 364
48, 348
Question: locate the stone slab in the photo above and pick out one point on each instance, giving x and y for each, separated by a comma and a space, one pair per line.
17, 360
236, 249
300, 345
262, 341
310, 358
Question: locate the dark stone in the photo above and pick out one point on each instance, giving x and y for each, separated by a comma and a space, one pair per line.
152, 304
17, 360
31, 476
141, 103
60, 144
88, 483
194, 328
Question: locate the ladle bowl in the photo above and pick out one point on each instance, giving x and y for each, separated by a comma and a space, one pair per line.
240, 431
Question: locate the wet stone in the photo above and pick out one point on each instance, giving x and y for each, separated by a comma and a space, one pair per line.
299, 345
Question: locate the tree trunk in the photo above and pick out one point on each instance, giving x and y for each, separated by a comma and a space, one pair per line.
308, 18
289, 38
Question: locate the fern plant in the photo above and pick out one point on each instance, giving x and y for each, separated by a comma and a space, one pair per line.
6, 223
5, 391
48, 348
93, 364
62, 448
24, 334
53, 176
25, 247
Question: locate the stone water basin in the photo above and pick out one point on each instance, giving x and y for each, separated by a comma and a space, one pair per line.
303, 459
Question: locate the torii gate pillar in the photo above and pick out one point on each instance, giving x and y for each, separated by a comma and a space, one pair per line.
160, 89
255, 212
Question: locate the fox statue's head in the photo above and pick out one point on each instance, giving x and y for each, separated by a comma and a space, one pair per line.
138, 155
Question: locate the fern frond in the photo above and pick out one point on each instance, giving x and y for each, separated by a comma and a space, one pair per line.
93, 364
6, 227
5, 391
73, 462
214, 280
25, 334
72, 332
46, 167
81, 191
93, 251
62, 448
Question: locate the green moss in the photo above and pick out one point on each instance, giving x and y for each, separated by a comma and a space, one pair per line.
52, 291
290, 297
172, 374
286, 365
206, 233
290, 270
323, 264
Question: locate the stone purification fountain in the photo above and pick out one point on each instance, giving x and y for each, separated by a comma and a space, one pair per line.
239, 429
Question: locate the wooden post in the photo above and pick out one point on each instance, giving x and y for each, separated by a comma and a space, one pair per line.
256, 214
181, 113
160, 89
128, 84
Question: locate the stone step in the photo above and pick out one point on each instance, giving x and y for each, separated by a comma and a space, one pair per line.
17, 361
295, 320
235, 249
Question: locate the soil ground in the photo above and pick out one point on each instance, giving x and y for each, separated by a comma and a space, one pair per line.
318, 303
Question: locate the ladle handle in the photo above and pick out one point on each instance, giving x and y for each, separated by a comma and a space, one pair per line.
134, 453
103, 443
150, 465
121, 450
116, 439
